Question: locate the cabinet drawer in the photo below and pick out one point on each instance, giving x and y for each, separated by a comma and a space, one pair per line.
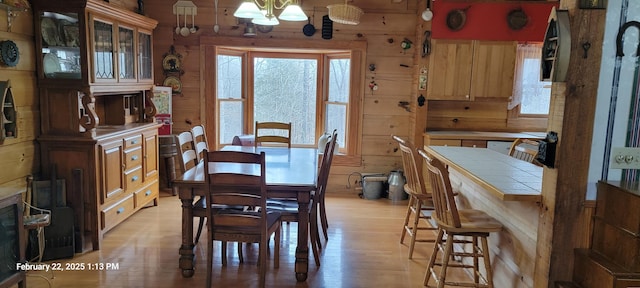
474, 143
146, 194
116, 213
133, 179
445, 142
132, 158
132, 141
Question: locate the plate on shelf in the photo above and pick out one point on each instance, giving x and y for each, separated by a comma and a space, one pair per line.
51, 64
174, 83
71, 35
49, 30
171, 62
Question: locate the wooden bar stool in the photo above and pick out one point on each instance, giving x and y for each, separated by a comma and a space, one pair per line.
453, 222
419, 208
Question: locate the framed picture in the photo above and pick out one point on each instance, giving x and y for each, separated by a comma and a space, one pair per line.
42, 194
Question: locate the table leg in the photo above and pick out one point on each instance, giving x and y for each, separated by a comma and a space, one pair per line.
302, 251
187, 256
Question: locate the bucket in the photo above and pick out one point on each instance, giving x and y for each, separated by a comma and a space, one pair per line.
396, 186
373, 186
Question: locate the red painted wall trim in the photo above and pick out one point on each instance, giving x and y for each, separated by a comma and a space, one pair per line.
488, 21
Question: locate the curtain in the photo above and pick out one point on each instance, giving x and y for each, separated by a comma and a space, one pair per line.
527, 74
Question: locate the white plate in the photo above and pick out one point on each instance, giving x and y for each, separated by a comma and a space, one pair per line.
51, 64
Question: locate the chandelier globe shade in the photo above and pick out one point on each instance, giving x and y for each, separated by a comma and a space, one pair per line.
265, 20
293, 12
248, 9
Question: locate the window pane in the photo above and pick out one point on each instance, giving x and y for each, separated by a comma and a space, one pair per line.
231, 117
337, 119
229, 77
339, 80
285, 91
536, 94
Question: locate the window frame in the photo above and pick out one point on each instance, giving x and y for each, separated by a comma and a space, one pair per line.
210, 47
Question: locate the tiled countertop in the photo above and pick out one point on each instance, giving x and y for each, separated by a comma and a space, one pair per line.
507, 178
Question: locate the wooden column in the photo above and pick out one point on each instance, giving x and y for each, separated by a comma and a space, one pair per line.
572, 116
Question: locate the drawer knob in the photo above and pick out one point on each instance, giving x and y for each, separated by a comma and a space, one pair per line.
134, 157
120, 210
134, 141
147, 193
134, 178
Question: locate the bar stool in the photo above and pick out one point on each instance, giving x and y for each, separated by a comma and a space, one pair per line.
419, 208
453, 222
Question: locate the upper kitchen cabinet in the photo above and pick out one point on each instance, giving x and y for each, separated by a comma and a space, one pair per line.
93, 43
471, 70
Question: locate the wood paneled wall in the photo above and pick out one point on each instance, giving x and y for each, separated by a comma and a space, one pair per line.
19, 156
384, 26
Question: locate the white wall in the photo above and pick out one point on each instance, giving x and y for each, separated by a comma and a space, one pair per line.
625, 83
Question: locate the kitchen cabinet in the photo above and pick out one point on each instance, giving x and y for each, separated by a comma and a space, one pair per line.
95, 79
471, 70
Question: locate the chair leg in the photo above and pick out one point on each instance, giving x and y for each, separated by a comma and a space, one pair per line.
314, 235
223, 253
487, 262
323, 219
406, 219
240, 255
434, 255
476, 266
445, 261
276, 248
414, 229
200, 224
209, 259
262, 262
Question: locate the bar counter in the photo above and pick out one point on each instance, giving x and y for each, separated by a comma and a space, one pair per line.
507, 189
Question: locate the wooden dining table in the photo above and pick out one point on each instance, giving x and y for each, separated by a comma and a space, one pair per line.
290, 173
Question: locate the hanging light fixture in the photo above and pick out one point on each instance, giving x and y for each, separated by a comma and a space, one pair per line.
261, 11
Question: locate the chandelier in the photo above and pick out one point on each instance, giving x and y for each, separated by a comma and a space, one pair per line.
261, 11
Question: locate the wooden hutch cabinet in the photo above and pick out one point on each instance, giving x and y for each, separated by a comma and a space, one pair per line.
94, 69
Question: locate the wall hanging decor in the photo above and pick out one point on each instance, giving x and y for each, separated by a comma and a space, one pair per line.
517, 19
327, 27
188, 10
345, 13
172, 67
9, 53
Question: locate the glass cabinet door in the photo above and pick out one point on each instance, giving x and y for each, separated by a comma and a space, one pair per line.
144, 56
103, 63
61, 39
126, 54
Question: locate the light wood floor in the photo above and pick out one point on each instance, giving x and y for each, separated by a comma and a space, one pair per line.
363, 251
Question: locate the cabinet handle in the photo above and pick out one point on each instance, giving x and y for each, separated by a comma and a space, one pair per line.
134, 178
120, 210
147, 193
134, 157
136, 141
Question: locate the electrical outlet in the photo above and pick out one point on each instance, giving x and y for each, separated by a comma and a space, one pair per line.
625, 158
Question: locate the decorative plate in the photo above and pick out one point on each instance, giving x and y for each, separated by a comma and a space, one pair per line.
49, 30
9, 53
174, 83
51, 64
171, 62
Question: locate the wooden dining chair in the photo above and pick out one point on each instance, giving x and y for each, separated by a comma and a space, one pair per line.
288, 208
524, 149
189, 159
321, 203
238, 179
419, 207
454, 224
199, 141
272, 132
